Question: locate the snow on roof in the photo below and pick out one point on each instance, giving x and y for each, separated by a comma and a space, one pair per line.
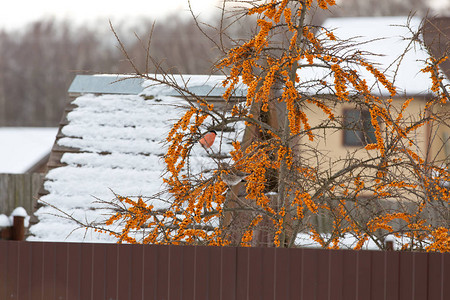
384, 39
23, 147
121, 141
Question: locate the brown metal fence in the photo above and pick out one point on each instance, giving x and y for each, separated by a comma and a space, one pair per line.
47, 271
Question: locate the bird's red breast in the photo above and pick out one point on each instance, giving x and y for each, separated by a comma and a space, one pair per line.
208, 139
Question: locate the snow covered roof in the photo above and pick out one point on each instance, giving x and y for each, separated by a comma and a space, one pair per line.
111, 143
23, 147
384, 39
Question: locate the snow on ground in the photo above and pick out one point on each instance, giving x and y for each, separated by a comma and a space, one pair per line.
23, 147
349, 241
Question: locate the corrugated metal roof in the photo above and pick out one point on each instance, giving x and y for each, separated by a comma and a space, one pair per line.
106, 84
202, 91
200, 85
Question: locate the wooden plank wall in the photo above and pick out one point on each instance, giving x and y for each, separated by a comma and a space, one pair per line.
72, 271
19, 190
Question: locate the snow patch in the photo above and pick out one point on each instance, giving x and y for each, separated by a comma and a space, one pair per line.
4, 221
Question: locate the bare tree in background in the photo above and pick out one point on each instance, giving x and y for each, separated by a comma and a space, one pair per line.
38, 64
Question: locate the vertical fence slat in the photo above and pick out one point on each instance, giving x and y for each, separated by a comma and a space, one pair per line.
11, 271
295, 274
268, 273
60, 271
228, 274
349, 276
4, 257
420, 275
175, 274
282, 266
214, 272
99, 272
446, 276
435, 267
151, 272
336, 274
255, 268
48, 272
24, 269
124, 253
377, 275
309, 274
201, 273
188, 273
13, 275
323, 281
406, 276
111, 272
242, 273
86, 272
137, 273
162, 274
4, 197
74, 270
392, 275
37, 278
364, 266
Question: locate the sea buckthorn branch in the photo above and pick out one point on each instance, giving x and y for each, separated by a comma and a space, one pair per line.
395, 168
437, 77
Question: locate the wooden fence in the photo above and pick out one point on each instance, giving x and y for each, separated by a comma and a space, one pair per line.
47, 271
19, 190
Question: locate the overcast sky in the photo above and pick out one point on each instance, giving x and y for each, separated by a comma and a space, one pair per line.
15, 14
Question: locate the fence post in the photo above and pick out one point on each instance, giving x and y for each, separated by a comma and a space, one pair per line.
389, 243
5, 233
18, 229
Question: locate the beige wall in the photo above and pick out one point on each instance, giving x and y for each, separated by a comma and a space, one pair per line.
430, 138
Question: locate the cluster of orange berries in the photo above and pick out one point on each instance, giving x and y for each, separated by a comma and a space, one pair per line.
380, 77
247, 237
436, 78
324, 4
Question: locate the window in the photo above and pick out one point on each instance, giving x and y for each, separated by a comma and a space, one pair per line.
358, 128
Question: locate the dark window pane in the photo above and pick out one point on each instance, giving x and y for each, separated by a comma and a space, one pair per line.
368, 128
359, 130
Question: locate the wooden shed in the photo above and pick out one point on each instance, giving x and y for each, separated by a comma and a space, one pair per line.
111, 140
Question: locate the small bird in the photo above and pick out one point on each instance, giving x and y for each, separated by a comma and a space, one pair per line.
234, 176
208, 139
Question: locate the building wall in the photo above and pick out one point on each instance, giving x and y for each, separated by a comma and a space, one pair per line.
430, 138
